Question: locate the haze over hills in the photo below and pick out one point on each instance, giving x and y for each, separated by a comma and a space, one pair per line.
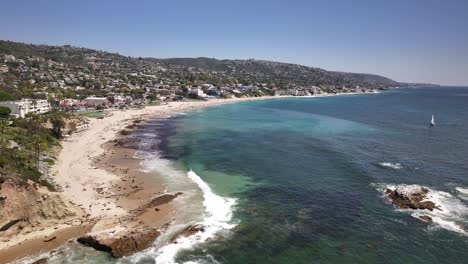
54, 68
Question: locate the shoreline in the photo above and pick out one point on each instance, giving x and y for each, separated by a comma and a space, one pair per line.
95, 171
92, 175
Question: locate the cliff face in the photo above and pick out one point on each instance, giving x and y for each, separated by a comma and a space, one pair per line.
26, 207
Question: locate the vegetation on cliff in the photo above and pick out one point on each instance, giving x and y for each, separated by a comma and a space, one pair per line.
25, 143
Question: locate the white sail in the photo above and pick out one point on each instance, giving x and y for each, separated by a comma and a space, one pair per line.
433, 121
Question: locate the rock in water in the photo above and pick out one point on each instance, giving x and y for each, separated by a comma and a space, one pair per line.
94, 243
123, 245
410, 197
188, 231
425, 218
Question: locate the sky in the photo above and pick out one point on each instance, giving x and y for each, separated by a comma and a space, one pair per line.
408, 41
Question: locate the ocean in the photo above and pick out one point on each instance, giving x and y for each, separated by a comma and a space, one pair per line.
302, 180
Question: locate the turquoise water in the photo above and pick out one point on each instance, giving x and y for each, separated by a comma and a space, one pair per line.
307, 176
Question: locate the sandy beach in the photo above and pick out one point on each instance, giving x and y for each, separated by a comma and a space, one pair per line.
96, 170
92, 183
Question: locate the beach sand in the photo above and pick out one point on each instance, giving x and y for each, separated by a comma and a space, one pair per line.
97, 170
45, 242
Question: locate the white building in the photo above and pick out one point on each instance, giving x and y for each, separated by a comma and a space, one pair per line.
121, 100
25, 106
94, 101
207, 86
199, 92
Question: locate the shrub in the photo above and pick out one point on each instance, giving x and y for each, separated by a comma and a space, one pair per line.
4, 96
48, 161
4, 112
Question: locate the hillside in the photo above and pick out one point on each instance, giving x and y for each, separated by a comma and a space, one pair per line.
28, 68
298, 74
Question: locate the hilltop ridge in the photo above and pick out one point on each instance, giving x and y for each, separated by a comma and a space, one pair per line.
74, 72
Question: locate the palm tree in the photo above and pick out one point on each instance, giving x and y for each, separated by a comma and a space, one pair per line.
38, 145
35, 121
56, 119
57, 125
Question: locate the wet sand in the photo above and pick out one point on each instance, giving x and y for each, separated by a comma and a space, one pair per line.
97, 170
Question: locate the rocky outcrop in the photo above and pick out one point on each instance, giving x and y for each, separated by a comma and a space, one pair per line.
410, 197
27, 204
124, 132
163, 199
40, 261
7, 226
134, 124
122, 245
154, 203
190, 230
90, 241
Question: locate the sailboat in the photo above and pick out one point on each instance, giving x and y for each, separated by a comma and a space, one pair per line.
433, 121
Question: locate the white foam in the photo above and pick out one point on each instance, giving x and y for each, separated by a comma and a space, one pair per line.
218, 217
198, 205
395, 166
453, 213
463, 192
407, 190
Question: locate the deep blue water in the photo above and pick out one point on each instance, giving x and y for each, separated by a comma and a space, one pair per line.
307, 176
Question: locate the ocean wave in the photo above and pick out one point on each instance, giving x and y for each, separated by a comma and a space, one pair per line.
452, 214
395, 166
462, 190
218, 218
198, 206
462, 193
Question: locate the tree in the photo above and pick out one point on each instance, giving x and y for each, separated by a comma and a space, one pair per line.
72, 127
3, 128
56, 119
38, 145
4, 96
4, 112
193, 96
34, 122
151, 97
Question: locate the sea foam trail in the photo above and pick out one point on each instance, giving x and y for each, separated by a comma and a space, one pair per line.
453, 213
395, 166
218, 218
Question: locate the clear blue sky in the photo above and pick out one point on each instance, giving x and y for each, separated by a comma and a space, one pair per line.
411, 40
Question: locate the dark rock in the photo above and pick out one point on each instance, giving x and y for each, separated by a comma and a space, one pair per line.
9, 224
50, 239
40, 261
190, 230
124, 132
411, 200
92, 242
160, 200
125, 245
